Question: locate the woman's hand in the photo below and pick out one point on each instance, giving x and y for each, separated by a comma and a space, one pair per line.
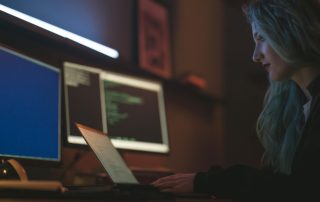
178, 183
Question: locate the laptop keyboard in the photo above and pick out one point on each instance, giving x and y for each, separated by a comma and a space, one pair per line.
120, 191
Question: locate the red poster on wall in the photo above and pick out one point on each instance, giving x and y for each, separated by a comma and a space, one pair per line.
154, 38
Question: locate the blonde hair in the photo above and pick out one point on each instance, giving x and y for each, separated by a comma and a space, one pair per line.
292, 28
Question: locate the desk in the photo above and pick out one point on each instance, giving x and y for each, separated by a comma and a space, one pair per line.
79, 200
22, 197
55, 196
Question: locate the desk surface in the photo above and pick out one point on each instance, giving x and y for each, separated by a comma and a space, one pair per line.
23, 197
80, 200
8, 195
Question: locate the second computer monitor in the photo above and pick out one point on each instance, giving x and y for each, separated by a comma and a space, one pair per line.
132, 108
30, 108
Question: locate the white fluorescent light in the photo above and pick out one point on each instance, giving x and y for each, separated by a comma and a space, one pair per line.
61, 32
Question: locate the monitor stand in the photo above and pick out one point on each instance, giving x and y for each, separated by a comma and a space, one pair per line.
12, 170
14, 177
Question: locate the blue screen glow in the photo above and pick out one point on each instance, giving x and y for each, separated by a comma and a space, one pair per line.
30, 108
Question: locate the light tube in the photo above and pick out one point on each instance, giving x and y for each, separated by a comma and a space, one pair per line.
61, 32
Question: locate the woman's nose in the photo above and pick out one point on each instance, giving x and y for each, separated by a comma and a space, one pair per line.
256, 56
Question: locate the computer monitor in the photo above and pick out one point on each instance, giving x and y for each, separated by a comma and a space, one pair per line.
83, 99
135, 113
132, 109
30, 108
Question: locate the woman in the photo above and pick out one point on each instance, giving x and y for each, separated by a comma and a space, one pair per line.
287, 44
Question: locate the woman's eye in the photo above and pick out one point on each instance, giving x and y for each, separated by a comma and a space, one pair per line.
260, 38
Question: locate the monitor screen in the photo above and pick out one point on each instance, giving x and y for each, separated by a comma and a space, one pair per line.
83, 100
30, 108
132, 109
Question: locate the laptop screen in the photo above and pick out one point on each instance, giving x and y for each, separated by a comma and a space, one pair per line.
108, 156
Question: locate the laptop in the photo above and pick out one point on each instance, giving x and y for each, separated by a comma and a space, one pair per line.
120, 174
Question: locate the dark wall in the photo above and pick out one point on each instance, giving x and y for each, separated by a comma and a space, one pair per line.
245, 84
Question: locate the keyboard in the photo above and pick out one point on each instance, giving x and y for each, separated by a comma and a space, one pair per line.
118, 191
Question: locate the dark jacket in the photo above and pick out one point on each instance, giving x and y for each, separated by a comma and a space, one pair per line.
245, 183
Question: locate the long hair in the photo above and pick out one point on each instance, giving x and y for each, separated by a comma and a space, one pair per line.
292, 29
280, 124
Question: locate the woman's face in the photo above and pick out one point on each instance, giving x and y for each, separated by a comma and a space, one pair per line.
263, 53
